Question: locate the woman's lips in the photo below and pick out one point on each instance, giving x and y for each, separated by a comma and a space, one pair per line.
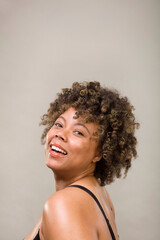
56, 154
57, 150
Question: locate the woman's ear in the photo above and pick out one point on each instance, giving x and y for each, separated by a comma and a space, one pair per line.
97, 158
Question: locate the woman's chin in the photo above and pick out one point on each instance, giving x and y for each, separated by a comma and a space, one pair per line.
50, 163
53, 164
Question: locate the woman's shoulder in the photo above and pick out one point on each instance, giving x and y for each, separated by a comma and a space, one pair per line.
60, 197
66, 199
66, 209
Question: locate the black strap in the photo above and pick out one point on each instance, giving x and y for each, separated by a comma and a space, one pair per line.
99, 205
37, 237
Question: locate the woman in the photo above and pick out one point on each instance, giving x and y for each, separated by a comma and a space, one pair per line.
89, 139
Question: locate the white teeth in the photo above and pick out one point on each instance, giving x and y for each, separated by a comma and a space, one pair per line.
58, 149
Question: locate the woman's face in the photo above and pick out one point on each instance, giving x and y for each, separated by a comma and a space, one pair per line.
71, 149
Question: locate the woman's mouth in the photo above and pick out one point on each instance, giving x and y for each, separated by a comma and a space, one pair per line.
57, 151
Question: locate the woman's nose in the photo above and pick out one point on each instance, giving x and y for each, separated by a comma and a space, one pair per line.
61, 135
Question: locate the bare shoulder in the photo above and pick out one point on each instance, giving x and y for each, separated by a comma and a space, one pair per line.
65, 216
64, 200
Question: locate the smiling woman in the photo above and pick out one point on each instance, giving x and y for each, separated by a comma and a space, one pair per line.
89, 139
71, 150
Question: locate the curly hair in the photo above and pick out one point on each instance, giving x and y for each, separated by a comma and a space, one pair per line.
116, 121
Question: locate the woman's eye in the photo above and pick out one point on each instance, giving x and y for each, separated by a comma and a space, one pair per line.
79, 133
58, 124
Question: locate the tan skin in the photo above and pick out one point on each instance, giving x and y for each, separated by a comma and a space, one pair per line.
71, 213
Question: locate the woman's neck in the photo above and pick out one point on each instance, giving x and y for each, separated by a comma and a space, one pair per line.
63, 183
64, 179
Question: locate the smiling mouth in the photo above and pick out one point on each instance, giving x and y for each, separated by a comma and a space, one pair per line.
57, 149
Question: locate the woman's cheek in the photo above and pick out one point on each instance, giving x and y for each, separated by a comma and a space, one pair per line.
74, 145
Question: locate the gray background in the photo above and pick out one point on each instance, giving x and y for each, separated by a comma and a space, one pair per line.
47, 45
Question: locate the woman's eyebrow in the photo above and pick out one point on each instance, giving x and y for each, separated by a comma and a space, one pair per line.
83, 126
62, 118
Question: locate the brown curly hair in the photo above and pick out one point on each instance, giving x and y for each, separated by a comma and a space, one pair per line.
116, 121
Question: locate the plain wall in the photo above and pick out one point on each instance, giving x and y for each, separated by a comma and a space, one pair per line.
46, 46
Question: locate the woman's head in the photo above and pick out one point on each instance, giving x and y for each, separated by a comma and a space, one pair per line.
71, 149
115, 119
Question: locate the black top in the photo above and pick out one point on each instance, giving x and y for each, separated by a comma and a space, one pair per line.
99, 205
